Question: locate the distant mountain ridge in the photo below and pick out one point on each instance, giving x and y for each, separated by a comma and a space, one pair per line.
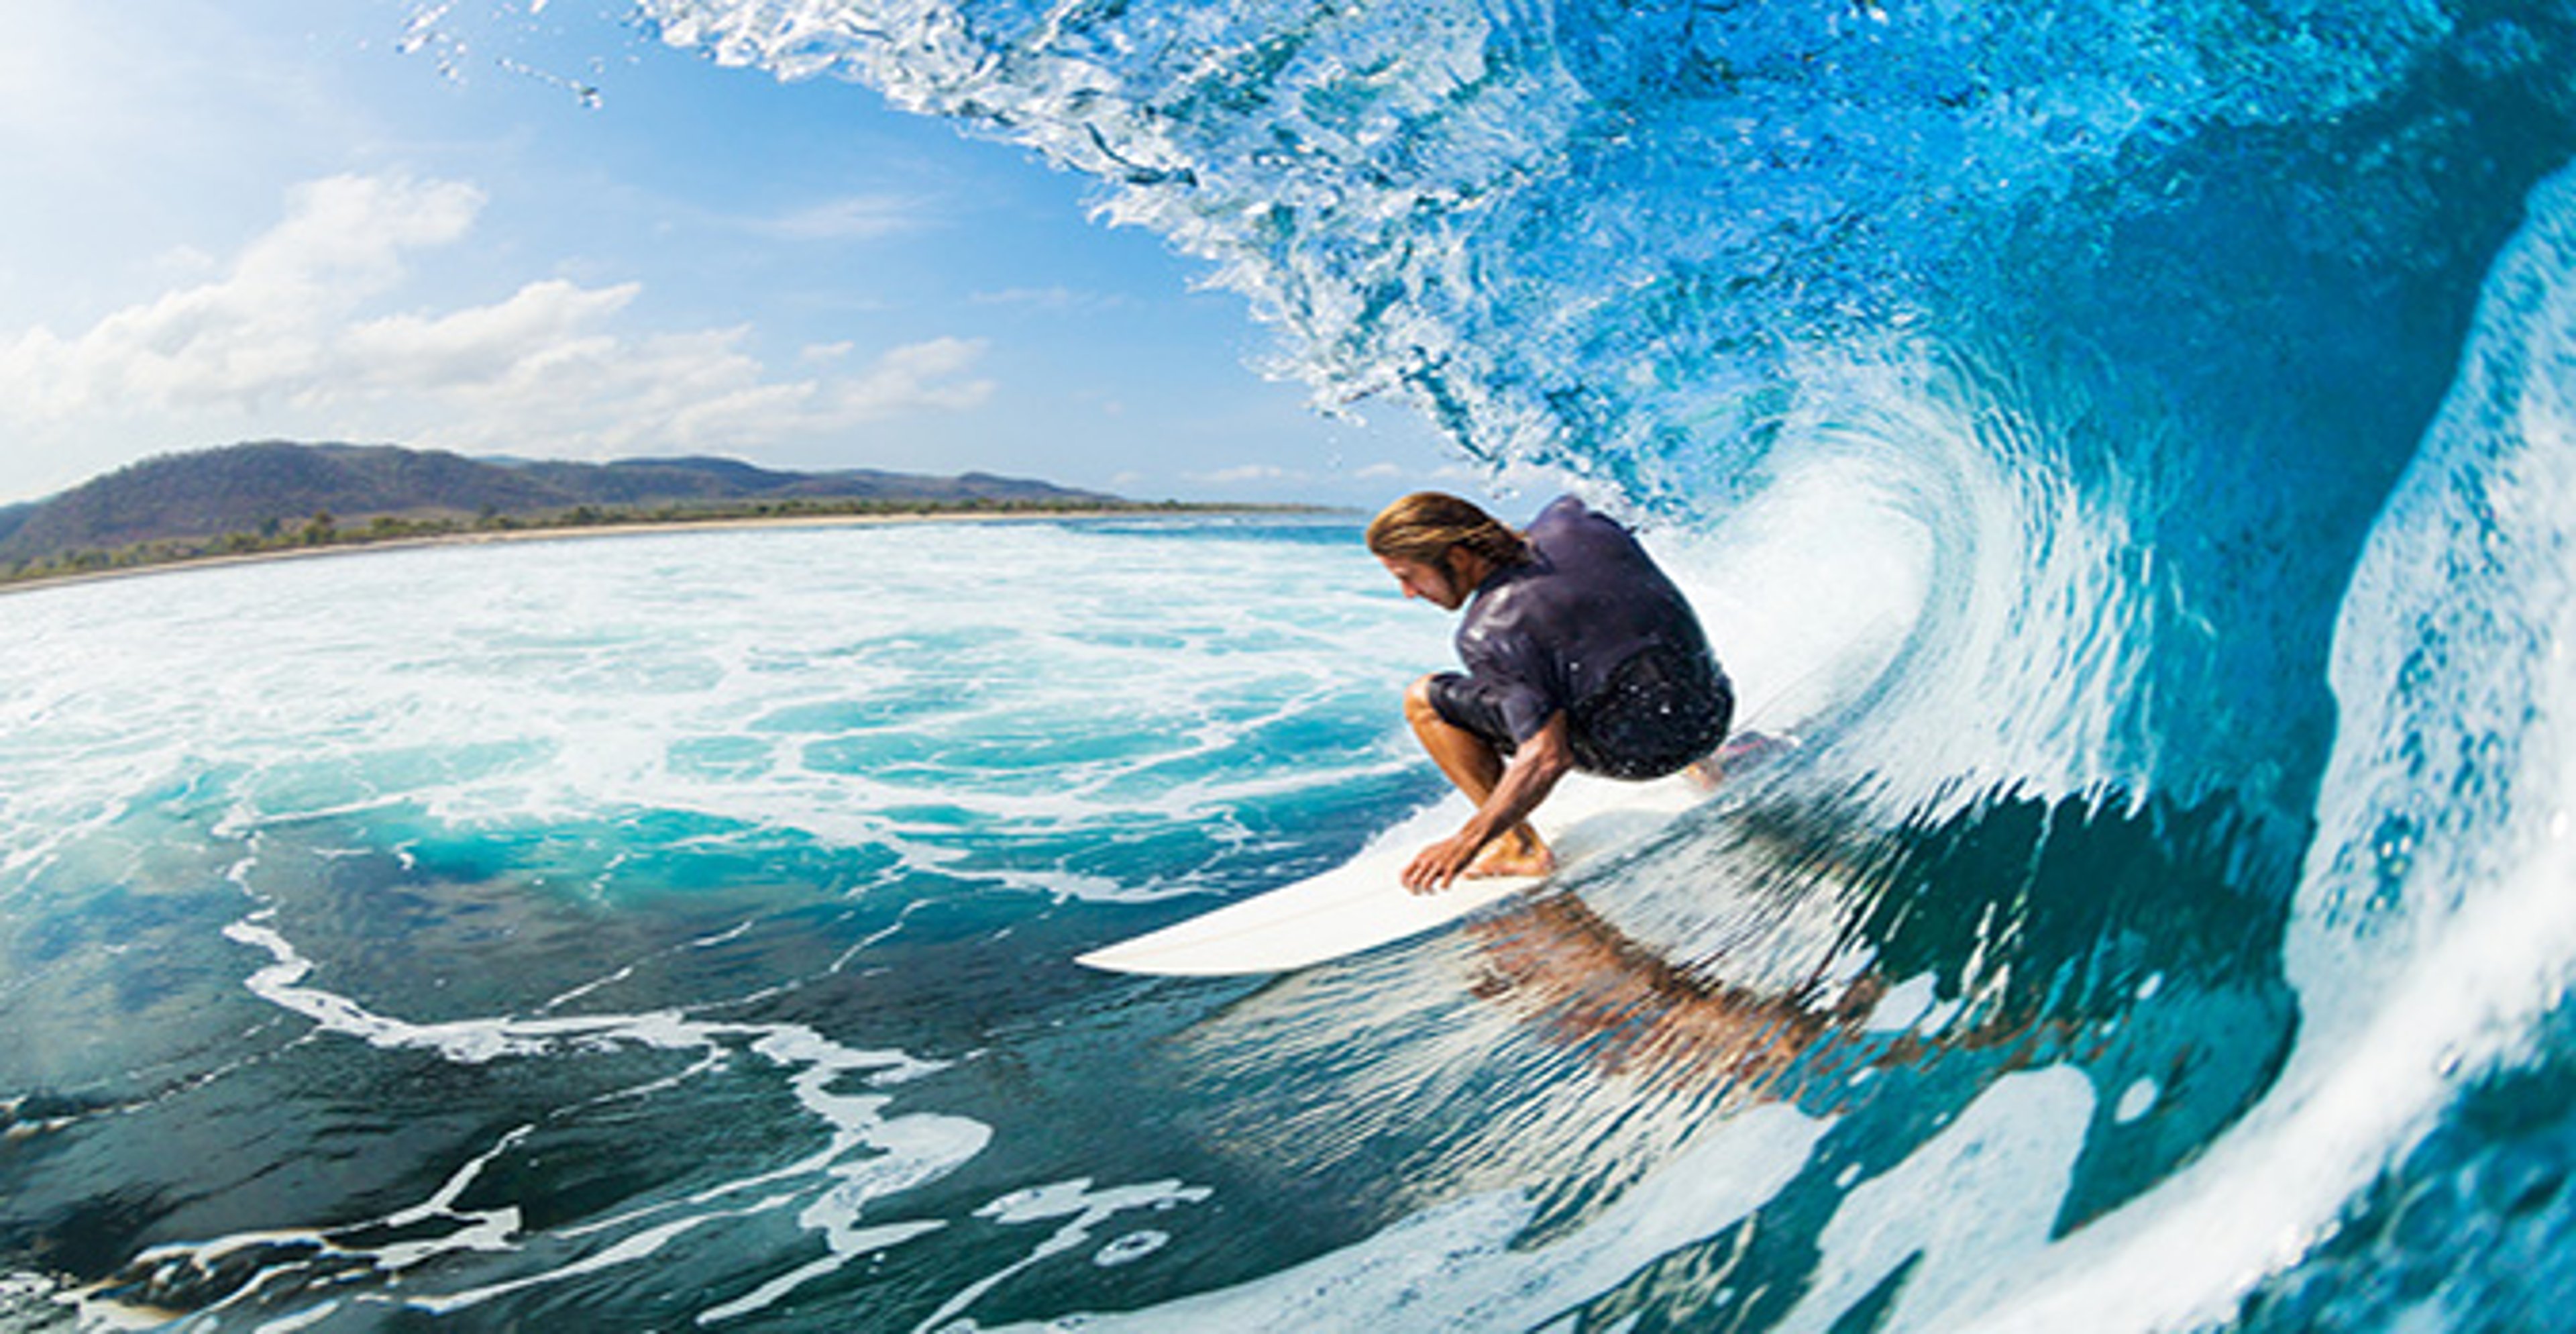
269, 484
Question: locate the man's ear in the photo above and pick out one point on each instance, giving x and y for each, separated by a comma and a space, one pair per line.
1465, 569
1458, 585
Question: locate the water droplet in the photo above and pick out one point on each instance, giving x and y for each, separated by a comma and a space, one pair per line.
1131, 1248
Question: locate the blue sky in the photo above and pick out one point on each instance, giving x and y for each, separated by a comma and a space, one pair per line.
526, 227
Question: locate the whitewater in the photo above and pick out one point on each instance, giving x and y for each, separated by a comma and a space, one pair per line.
2133, 450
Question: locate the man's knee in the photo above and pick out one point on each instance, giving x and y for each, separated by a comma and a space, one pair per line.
1418, 708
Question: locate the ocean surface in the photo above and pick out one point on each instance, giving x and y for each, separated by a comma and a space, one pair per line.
2133, 448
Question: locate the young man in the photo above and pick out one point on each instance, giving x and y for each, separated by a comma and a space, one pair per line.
1580, 654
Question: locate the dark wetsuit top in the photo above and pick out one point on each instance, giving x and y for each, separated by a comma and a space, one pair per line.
1591, 628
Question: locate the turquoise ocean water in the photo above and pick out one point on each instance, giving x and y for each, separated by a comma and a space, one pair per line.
2134, 448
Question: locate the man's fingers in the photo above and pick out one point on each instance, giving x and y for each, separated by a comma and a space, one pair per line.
1432, 869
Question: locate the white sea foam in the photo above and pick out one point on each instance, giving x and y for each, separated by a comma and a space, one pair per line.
863, 691
868, 1155
1456, 1266
862, 687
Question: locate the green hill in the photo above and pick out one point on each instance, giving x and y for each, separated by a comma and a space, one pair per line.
249, 495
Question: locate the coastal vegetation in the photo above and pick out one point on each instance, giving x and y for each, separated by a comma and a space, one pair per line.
277, 498
321, 530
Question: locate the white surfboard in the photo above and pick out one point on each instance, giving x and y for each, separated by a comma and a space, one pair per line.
1363, 903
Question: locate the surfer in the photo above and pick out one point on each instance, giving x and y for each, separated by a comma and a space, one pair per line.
1580, 654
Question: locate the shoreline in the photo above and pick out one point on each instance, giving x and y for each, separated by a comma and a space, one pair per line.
646, 528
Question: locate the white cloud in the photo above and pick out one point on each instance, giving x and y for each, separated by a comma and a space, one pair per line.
292, 336
856, 218
481, 345
1246, 474
259, 333
1058, 300
919, 375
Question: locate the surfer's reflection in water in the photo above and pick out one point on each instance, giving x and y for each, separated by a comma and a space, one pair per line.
1585, 987
1878, 980
1887, 985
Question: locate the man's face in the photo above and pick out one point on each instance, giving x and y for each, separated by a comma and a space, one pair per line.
1434, 584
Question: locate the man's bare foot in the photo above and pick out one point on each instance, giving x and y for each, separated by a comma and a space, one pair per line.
1511, 856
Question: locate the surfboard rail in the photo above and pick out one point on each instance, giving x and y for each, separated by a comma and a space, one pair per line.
1363, 904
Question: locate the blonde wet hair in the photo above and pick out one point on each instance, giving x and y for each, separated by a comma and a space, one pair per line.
1426, 526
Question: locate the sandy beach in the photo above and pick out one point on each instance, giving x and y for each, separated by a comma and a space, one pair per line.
571, 532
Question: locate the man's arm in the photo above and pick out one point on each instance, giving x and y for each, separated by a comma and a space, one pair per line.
1528, 777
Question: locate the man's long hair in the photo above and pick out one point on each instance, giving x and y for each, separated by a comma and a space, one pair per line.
1427, 525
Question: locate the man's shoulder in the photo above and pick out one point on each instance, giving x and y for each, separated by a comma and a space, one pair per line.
1568, 519
1570, 531
1563, 512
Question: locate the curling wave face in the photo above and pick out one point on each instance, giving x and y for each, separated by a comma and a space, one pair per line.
2091, 289
2131, 449
2192, 379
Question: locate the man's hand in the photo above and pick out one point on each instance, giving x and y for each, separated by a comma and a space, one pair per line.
1527, 779
1434, 868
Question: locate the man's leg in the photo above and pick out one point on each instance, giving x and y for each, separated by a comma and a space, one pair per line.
1475, 766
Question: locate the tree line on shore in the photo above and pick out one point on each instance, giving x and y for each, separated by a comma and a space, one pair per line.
323, 530
273, 497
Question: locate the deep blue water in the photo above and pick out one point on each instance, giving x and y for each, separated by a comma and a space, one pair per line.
2131, 447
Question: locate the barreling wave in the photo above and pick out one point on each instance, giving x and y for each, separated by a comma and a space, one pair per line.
2095, 343
2137, 260
2107, 332
2134, 448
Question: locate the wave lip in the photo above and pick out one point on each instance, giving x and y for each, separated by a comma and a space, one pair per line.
1587, 236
